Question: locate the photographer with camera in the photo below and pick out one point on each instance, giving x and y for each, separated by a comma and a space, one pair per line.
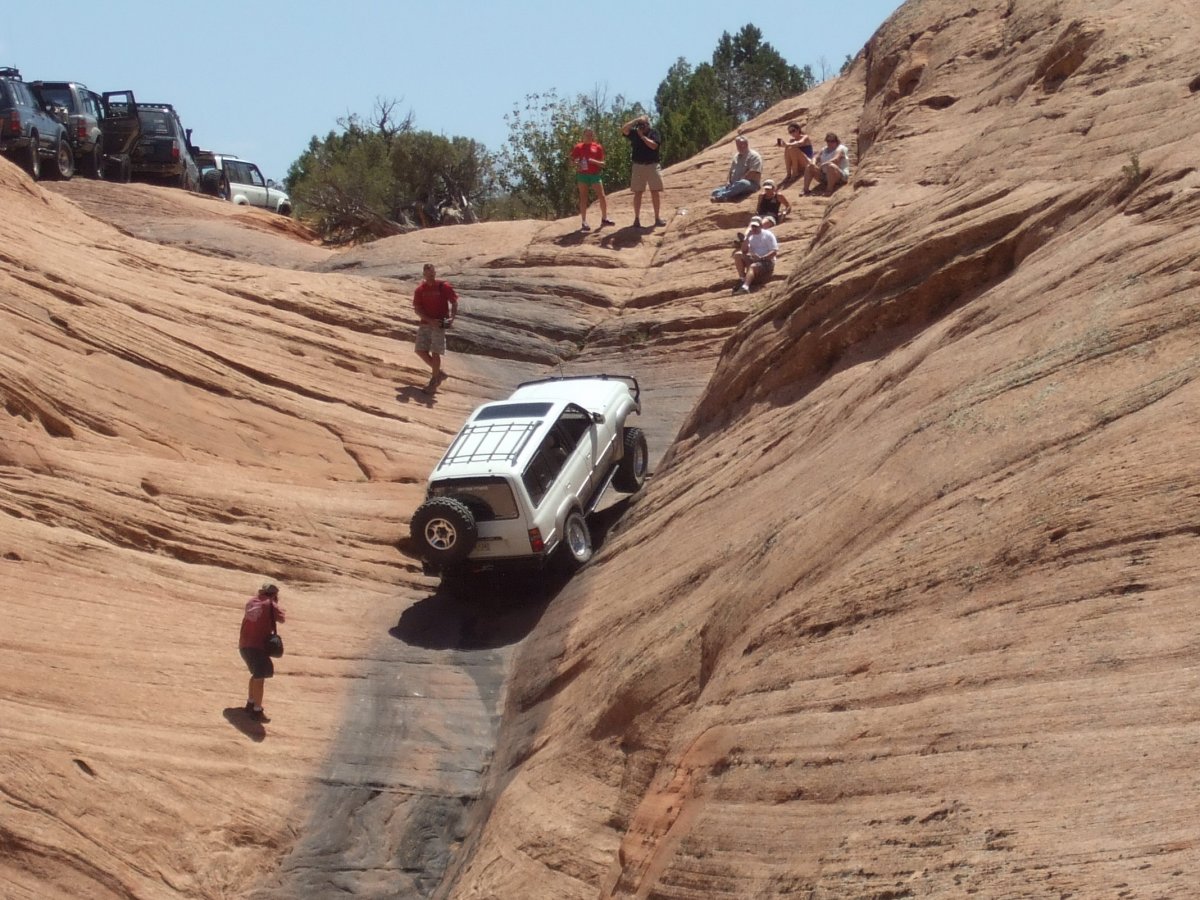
436, 306
645, 144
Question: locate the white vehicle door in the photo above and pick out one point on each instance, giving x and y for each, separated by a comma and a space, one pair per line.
246, 184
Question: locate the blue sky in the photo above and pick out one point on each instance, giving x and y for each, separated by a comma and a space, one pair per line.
259, 79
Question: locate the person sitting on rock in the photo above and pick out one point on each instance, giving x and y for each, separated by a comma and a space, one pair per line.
772, 203
830, 168
797, 151
755, 260
745, 172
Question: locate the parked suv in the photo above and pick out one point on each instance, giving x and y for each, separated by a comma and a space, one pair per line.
226, 176
84, 117
164, 151
523, 474
30, 132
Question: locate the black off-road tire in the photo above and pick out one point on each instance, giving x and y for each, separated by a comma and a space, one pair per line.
94, 164
631, 470
63, 166
33, 160
577, 538
444, 530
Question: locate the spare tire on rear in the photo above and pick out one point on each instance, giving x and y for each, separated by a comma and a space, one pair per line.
444, 530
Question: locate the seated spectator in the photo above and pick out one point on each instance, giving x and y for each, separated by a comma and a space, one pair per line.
755, 260
772, 203
797, 151
831, 168
745, 171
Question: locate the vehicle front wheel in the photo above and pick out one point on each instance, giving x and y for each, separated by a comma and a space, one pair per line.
631, 470
444, 530
577, 537
64, 161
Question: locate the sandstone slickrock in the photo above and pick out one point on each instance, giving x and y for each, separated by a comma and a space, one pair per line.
903, 612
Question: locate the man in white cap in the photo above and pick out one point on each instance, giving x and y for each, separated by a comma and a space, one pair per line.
755, 259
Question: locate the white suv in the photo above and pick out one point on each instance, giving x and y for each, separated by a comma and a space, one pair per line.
523, 474
240, 182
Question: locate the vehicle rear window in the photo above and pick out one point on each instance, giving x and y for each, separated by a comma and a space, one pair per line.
514, 411
488, 498
6, 96
57, 96
154, 121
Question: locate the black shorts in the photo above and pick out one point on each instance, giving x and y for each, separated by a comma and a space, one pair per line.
257, 661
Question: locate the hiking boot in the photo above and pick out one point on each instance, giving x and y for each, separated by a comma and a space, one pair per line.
660, 223
586, 227
604, 222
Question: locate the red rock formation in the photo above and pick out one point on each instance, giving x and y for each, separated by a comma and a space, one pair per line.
905, 611
913, 589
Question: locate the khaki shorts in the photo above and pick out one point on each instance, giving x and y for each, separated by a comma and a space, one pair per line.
431, 339
646, 176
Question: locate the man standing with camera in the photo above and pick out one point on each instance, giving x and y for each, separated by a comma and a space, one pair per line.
436, 306
644, 142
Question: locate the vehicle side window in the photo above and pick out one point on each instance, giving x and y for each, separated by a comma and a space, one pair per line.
540, 474
254, 176
574, 422
235, 172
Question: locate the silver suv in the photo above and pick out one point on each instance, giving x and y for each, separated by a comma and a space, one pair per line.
523, 474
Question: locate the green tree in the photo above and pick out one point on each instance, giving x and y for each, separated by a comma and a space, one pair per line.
696, 106
690, 115
380, 176
535, 167
752, 76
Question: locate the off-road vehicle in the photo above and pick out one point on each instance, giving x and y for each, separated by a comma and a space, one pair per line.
32, 133
239, 181
523, 474
84, 118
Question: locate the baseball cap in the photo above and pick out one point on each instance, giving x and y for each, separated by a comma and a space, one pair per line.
768, 183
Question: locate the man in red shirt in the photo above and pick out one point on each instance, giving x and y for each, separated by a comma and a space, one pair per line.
589, 159
436, 306
258, 624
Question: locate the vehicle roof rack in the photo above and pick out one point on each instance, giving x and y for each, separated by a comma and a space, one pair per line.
9, 72
501, 442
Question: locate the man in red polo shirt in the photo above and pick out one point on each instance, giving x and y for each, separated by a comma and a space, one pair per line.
258, 623
436, 306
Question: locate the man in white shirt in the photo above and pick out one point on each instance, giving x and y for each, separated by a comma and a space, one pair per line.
755, 259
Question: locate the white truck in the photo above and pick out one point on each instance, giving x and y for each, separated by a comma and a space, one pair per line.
523, 474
